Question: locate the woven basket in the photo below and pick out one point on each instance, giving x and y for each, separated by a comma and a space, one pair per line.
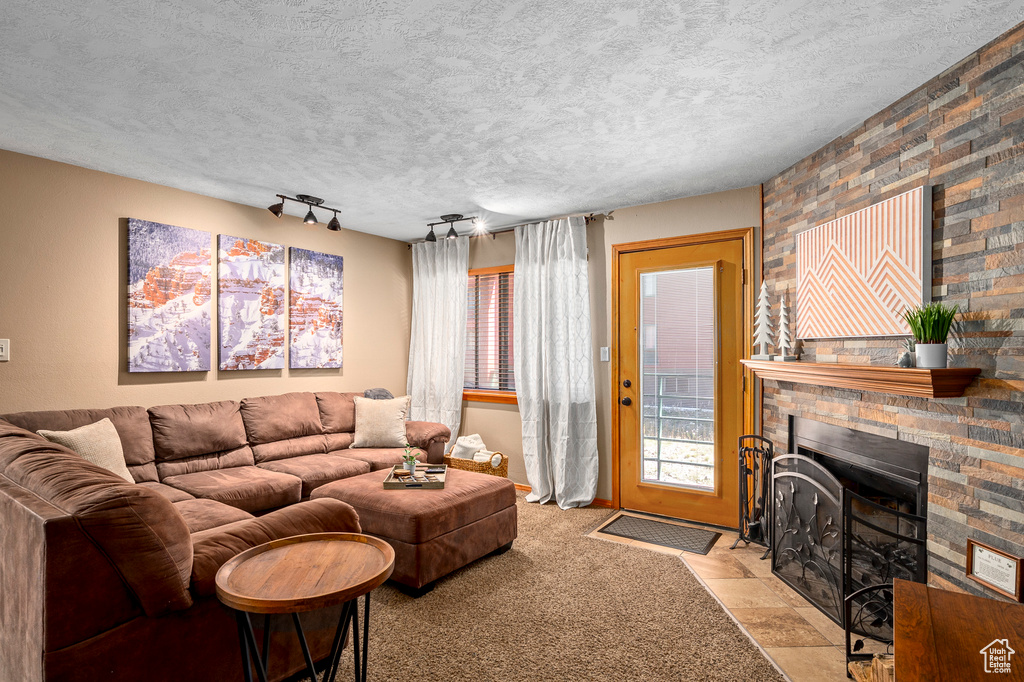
479, 467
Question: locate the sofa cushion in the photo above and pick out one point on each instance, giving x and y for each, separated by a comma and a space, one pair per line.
132, 424
292, 447
338, 441
380, 423
416, 516
337, 411
98, 443
277, 417
136, 528
316, 470
238, 457
203, 515
213, 548
249, 488
172, 494
182, 431
381, 458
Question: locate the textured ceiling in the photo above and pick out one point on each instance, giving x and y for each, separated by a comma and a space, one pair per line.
397, 112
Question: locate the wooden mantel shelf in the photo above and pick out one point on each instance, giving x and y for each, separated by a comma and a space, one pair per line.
924, 383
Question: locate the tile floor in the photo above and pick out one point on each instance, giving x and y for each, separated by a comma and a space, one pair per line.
804, 644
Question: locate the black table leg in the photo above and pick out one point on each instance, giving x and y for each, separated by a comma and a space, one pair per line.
249, 651
355, 640
266, 640
246, 665
366, 631
305, 647
339, 641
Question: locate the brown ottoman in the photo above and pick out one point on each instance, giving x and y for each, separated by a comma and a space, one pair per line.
433, 532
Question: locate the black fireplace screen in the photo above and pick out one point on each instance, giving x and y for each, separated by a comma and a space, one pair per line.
829, 542
807, 532
880, 544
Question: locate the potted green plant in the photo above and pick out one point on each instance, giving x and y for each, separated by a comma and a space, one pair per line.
409, 459
930, 324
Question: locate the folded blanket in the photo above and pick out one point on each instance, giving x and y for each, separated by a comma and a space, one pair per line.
467, 446
488, 456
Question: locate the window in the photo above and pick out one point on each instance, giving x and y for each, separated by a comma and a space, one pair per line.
489, 365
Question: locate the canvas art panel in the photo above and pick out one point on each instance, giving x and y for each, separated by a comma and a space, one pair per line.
857, 274
250, 303
169, 270
314, 309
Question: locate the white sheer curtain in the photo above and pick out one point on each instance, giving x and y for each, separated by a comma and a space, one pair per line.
437, 349
554, 363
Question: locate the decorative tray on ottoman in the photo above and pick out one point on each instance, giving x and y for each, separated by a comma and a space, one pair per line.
428, 476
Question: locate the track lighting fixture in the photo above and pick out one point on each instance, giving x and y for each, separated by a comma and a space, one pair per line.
450, 219
334, 225
312, 202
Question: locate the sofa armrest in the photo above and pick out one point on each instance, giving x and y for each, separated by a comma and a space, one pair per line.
213, 549
428, 436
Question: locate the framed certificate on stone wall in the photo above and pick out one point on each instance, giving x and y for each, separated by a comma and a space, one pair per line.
994, 568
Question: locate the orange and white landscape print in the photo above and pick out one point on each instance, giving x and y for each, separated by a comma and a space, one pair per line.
857, 274
250, 303
315, 309
168, 298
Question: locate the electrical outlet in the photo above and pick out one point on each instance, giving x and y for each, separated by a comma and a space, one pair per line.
5, 350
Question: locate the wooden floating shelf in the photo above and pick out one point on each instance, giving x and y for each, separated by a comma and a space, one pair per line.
924, 383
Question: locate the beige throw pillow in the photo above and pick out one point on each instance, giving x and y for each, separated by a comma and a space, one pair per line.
380, 423
98, 443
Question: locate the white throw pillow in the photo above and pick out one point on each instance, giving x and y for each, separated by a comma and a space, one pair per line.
98, 443
380, 423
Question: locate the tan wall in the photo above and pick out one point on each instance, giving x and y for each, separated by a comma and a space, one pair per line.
499, 425
63, 284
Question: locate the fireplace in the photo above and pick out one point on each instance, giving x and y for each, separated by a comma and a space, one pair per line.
848, 513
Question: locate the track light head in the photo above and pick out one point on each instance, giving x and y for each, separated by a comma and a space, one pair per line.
431, 237
277, 209
310, 219
334, 225
452, 234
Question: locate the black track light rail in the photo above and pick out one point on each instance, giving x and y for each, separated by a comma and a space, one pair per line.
312, 202
451, 218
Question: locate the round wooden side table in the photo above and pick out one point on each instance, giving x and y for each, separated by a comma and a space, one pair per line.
305, 573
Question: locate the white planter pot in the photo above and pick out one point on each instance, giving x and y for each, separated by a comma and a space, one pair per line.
410, 466
931, 355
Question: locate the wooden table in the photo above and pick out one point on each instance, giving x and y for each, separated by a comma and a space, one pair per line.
940, 635
304, 573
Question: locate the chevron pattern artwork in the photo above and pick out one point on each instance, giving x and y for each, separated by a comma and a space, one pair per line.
856, 274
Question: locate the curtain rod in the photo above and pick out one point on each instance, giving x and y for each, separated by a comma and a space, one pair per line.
588, 218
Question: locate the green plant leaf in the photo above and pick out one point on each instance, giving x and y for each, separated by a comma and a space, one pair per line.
931, 323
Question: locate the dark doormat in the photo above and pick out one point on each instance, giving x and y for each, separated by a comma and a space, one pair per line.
696, 540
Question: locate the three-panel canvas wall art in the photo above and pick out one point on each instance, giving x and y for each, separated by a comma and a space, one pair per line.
170, 293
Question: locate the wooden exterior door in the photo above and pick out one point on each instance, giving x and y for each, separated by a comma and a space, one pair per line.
682, 326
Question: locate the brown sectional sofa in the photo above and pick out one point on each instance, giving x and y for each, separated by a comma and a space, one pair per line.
104, 579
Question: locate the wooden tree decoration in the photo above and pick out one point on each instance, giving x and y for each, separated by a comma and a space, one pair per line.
763, 325
785, 344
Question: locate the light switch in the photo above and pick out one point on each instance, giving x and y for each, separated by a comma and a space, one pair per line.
606, 354
5, 350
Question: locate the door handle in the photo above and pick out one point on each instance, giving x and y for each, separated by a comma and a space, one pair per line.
627, 401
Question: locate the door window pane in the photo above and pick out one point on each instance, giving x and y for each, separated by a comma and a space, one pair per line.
678, 377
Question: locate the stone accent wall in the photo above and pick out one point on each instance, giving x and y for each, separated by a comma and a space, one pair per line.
963, 134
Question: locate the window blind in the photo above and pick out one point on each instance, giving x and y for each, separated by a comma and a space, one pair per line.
489, 364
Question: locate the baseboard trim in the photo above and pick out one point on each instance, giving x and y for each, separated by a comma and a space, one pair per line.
598, 502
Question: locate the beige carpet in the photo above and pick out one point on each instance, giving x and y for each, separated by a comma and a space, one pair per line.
561, 607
